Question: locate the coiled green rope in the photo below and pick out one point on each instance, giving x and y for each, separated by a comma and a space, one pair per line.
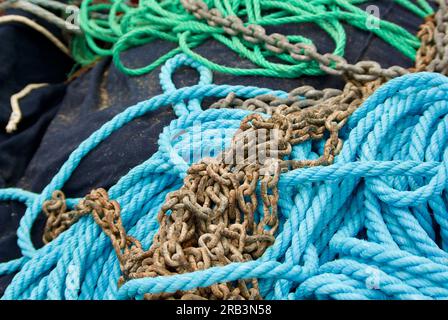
113, 27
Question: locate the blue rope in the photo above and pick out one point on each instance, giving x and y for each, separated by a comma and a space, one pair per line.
372, 226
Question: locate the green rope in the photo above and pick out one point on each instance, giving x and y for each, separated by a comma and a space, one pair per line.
114, 27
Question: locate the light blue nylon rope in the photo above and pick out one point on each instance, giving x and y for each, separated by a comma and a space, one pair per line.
363, 228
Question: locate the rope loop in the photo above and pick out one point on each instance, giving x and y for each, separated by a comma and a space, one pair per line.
166, 81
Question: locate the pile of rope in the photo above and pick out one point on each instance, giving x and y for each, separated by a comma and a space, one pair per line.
112, 27
286, 210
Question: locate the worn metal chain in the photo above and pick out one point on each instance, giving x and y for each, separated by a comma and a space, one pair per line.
58, 218
106, 214
432, 55
439, 41
427, 51
214, 218
277, 43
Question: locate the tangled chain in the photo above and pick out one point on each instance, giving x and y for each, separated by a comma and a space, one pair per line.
214, 218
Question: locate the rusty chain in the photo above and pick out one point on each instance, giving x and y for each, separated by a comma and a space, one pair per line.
212, 219
277, 43
427, 50
439, 42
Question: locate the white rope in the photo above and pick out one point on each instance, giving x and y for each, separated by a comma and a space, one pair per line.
42, 30
16, 114
40, 12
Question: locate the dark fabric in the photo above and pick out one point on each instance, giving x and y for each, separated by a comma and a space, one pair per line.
27, 57
59, 118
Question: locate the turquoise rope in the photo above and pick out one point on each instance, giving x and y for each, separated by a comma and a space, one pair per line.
362, 228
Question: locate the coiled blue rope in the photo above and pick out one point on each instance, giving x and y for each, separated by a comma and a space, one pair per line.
372, 226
